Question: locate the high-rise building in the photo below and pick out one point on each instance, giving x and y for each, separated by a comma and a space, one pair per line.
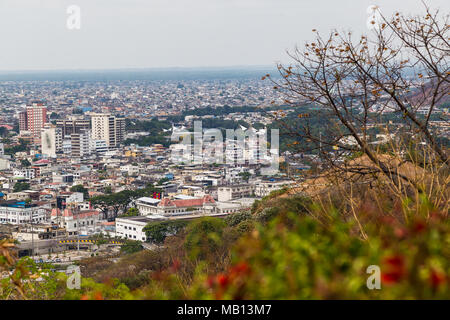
69, 126
81, 144
108, 128
23, 121
33, 120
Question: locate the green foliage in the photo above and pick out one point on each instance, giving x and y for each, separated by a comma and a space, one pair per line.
244, 227
25, 163
203, 237
121, 200
290, 256
156, 232
21, 186
25, 279
153, 127
131, 246
108, 190
22, 146
132, 212
91, 290
236, 218
245, 175
296, 257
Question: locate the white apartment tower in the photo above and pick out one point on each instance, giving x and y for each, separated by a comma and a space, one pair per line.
108, 128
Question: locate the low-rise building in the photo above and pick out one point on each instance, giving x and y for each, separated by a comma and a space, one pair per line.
132, 227
19, 212
84, 222
172, 207
231, 192
263, 189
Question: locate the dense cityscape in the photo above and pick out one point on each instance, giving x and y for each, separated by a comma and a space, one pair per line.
322, 176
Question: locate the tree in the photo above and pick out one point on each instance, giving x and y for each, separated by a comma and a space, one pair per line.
21, 186
238, 217
131, 247
119, 202
204, 236
156, 232
354, 83
131, 212
245, 175
25, 163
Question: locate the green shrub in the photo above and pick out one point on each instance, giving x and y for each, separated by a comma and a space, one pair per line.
156, 232
204, 236
131, 246
235, 218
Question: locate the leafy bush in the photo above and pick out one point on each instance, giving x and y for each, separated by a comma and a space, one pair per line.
292, 256
131, 246
157, 232
236, 218
204, 236
303, 259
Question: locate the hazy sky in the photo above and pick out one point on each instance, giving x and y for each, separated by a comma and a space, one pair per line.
173, 33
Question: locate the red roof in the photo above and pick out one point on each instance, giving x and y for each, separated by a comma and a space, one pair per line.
42, 161
81, 215
166, 202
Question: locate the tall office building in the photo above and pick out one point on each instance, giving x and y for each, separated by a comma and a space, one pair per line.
81, 144
108, 128
33, 120
23, 121
69, 126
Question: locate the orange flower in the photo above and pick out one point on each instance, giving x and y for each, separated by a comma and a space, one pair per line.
98, 296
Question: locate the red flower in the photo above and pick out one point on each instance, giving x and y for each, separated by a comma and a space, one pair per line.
395, 261
419, 226
437, 278
211, 281
391, 277
222, 280
396, 270
240, 268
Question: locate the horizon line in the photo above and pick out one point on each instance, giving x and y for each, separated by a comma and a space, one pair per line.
174, 68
